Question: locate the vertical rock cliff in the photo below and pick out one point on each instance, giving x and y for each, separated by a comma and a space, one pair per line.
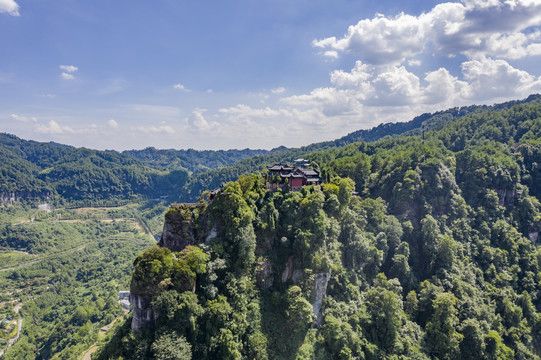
320, 286
179, 231
179, 227
143, 315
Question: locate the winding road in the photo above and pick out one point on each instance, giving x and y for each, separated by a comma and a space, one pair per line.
19, 329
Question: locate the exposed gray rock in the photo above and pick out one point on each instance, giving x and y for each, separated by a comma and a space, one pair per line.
534, 236
320, 286
507, 197
178, 229
143, 316
12, 197
288, 271
212, 234
297, 276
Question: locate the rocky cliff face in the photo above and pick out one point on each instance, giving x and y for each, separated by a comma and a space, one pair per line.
178, 232
264, 274
288, 271
534, 236
507, 197
178, 228
143, 315
320, 286
11, 197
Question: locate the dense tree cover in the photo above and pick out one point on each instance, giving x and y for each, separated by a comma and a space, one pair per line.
214, 178
32, 169
37, 170
434, 258
437, 258
195, 161
18, 175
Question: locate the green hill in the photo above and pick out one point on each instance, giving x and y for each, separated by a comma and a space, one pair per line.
192, 160
212, 179
39, 170
33, 169
436, 258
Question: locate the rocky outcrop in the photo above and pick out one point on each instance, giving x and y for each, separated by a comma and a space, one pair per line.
534, 236
265, 274
320, 290
507, 197
12, 197
288, 271
179, 231
212, 234
297, 276
143, 315
178, 228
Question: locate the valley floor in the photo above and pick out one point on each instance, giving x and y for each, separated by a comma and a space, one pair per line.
62, 271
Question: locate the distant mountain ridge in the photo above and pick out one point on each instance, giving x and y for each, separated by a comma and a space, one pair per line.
214, 178
35, 169
32, 169
195, 161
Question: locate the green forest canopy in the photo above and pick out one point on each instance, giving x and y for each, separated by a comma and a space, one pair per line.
436, 259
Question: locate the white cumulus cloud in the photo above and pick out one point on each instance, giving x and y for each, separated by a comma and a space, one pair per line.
112, 123
474, 28
278, 90
22, 118
181, 87
69, 68
67, 76
332, 54
10, 7
496, 79
68, 72
53, 128
197, 121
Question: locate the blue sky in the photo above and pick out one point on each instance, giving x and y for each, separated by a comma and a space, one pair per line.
260, 74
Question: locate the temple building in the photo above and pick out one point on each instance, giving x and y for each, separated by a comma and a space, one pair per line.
297, 176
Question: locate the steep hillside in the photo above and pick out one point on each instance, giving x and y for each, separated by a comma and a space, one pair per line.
214, 178
437, 258
32, 169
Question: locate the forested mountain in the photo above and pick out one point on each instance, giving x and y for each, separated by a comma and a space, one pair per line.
436, 258
212, 179
33, 169
192, 160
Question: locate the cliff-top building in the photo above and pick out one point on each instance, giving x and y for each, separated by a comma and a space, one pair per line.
279, 174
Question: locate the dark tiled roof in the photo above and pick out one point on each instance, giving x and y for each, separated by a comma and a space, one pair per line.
311, 172
280, 167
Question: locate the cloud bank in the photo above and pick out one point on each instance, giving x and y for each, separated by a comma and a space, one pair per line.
473, 28
399, 73
392, 68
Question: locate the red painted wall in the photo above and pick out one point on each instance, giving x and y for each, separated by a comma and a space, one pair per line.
295, 182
